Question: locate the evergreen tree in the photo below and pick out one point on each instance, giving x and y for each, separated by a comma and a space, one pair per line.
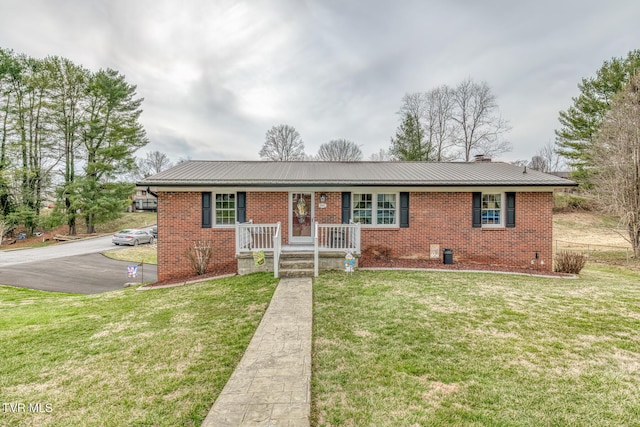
69, 86
582, 121
409, 143
111, 137
58, 117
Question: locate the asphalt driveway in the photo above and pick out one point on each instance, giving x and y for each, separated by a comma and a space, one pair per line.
79, 274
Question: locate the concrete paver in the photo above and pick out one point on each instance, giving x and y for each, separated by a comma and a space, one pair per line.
271, 385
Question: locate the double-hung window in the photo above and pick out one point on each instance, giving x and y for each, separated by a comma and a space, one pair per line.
492, 210
225, 209
377, 209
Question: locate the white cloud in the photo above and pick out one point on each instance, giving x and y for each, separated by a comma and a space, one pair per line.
216, 75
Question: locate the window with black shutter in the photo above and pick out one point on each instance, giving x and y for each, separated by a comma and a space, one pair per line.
511, 209
404, 210
477, 209
206, 210
242, 206
346, 207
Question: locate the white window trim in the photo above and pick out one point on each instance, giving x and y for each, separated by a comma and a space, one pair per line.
374, 208
214, 210
503, 200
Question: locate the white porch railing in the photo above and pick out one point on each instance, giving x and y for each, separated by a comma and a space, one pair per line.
252, 237
335, 237
255, 237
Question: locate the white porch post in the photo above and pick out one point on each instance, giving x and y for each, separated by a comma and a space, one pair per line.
277, 244
315, 251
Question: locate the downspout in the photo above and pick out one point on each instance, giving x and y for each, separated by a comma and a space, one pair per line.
151, 192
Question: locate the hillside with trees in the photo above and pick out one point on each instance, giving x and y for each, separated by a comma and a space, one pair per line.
66, 134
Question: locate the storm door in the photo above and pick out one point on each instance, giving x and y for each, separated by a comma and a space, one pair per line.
301, 217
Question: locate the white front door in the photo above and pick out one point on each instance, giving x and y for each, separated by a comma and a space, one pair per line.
301, 217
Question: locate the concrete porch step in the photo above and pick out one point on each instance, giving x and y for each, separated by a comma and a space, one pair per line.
296, 272
294, 264
296, 255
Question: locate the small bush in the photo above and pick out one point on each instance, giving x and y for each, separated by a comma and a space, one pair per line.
563, 202
199, 256
569, 262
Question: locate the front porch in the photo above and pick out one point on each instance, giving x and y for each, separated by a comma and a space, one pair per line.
259, 247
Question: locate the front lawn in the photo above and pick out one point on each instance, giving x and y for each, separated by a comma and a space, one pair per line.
142, 253
128, 357
430, 348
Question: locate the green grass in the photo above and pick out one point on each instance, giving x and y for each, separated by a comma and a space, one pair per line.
127, 220
429, 348
157, 357
142, 253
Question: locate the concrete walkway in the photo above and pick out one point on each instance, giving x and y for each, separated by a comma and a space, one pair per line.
271, 385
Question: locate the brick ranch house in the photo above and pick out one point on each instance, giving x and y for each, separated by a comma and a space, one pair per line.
386, 213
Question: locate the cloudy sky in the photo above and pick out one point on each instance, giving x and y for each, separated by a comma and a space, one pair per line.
217, 74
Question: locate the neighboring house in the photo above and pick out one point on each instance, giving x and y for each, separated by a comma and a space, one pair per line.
144, 199
406, 213
565, 175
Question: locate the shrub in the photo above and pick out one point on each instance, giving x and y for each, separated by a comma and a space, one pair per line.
563, 202
569, 262
199, 256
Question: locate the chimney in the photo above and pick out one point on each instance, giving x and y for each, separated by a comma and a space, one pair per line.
480, 158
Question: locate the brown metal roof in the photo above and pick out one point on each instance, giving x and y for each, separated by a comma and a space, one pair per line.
263, 173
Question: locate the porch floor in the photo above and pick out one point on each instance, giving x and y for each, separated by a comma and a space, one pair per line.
298, 248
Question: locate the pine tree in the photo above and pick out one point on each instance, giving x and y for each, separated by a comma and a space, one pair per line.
583, 120
409, 143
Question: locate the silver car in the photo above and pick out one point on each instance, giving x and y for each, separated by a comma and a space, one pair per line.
131, 236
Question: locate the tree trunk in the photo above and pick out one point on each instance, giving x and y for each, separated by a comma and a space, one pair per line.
634, 238
91, 228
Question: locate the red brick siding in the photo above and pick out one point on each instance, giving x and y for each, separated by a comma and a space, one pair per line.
269, 208
446, 219
179, 225
332, 213
435, 218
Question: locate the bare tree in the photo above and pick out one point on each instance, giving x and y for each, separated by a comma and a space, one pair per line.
439, 121
434, 111
521, 163
154, 162
381, 156
282, 143
480, 127
415, 104
339, 150
547, 160
538, 163
616, 154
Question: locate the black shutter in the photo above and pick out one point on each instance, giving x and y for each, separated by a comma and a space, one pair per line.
511, 209
241, 206
477, 209
346, 207
404, 210
206, 210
